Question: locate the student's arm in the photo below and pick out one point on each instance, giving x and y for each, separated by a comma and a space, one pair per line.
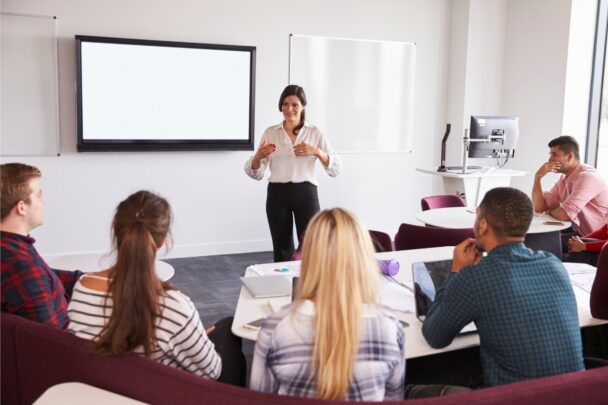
395, 383
583, 190
454, 307
539, 199
68, 279
559, 213
262, 376
30, 294
192, 349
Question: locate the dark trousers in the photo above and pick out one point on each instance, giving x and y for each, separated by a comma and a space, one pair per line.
284, 203
229, 347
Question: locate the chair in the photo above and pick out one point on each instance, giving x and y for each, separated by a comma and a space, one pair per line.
441, 201
420, 237
382, 241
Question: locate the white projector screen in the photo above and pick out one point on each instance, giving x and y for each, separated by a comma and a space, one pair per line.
152, 95
359, 92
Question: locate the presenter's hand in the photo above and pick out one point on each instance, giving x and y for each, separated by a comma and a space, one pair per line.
548, 167
265, 150
304, 149
465, 254
575, 244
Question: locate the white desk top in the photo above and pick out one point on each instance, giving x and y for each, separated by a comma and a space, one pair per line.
464, 217
74, 393
484, 172
249, 308
88, 263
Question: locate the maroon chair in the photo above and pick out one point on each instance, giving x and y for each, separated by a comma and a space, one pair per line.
441, 201
420, 237
382, 241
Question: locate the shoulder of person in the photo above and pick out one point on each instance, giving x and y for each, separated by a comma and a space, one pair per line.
312, 128
179, 302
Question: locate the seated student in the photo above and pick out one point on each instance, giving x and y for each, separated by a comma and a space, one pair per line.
579, 196
30, 288
599, 290
521, 301
127, 308
587, 249
334, 342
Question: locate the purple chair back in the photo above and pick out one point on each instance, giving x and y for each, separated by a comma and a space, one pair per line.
441, 201
382, 241
599, 298
420, 237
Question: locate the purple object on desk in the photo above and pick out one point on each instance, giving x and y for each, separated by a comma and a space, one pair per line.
389, 267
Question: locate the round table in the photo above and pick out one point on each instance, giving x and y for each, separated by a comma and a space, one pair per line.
463, 217
88, 263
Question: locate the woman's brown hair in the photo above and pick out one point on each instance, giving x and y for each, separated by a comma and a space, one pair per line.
140, 227
294, 90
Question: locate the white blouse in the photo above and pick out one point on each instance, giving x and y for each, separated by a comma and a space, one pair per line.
285, 166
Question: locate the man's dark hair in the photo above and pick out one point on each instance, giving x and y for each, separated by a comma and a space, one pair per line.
566, 144
508, 211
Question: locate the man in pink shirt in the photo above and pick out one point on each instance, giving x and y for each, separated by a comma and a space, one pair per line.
580, 196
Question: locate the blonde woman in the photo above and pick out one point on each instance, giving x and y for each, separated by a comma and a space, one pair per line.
334, 342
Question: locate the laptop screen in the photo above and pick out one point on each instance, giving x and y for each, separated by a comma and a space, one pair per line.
428, 278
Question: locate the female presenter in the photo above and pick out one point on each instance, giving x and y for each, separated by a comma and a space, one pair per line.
291, 149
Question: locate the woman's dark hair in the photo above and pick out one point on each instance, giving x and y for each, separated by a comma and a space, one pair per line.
140, 226
294, 90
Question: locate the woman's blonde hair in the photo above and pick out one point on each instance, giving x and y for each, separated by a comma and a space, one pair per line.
340, 274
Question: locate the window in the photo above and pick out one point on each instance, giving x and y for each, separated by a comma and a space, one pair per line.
597, 136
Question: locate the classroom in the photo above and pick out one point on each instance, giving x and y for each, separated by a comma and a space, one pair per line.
531, 59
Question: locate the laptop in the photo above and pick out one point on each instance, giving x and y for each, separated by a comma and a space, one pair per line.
428, 278
268, 286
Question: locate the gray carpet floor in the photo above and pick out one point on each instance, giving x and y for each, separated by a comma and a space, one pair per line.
213, 284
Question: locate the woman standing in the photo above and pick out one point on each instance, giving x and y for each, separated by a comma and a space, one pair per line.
334, 342
291, 150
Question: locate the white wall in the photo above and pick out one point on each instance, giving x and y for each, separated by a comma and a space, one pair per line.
217, 208
473, 56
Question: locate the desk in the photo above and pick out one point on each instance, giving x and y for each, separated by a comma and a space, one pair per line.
79, 393
88, 263
463, 217
474, 185
249, 308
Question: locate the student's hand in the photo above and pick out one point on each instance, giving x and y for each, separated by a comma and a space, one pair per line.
575, 244
465, 254
304, 149
210, 329
265, 150
548, 167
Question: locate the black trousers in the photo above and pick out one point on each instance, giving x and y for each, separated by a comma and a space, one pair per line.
229, 347
284, 203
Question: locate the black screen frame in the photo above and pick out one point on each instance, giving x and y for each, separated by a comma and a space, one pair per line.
507, 123
117, 145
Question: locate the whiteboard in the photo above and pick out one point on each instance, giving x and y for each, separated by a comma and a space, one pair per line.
360, 93
29, 87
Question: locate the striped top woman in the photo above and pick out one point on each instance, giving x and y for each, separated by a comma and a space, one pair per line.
126, 308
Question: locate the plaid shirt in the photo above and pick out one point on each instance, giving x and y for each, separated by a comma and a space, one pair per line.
30, 288
524, 309
283, 355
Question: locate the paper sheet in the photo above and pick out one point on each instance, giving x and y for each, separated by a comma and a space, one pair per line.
396, 296
581, 275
